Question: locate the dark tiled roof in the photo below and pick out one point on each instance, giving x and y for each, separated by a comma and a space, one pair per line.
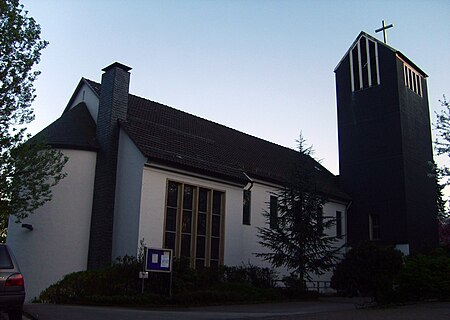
173, 137
75, 129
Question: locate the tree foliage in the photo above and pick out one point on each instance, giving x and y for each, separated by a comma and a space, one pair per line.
442, 126
442, 147
437, 174
444, 233
298, 240
425, 276
28, 168
368, 270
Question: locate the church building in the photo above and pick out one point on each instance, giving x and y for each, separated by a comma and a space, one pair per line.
139, 171
385, 148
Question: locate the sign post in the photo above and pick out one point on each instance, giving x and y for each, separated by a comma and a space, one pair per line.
143, 275
159, 260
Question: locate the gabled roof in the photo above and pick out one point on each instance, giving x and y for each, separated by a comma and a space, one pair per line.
175, 138
75, 129
399, 53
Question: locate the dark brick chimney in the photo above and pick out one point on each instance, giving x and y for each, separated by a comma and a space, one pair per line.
112, 108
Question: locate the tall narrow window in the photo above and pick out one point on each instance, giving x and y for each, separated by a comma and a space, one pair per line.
374, 227
194, 223
246, 207
273, 218
320, 222
413, 80
339, 224
203, 209
364, 65
216, 227
171, 215
186, 221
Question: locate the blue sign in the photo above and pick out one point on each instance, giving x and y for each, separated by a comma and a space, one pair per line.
158, 260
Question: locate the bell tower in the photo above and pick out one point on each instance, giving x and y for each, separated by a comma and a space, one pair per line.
385, 147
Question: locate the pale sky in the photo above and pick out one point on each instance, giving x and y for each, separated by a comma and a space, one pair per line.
259, 66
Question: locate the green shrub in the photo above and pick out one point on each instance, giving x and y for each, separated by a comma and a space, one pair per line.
425, 277
120, 285
187, 279
119, 279
294, 286
250, 274
368, 270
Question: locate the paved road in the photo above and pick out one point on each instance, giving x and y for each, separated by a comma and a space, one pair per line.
318, 310
256, 311
428, 311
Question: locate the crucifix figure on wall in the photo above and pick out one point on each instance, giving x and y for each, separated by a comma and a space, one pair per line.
383, 28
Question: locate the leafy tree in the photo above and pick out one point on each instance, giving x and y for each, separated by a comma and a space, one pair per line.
425, 276
437, 174
368, 270
444, 233
297, 239
28, 168
442, 144
442, 126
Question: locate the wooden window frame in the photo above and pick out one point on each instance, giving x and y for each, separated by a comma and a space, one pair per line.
194, 223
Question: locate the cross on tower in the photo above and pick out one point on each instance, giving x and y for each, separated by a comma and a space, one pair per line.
384, 28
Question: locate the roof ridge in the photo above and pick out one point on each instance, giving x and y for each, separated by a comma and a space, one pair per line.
164, 133
204, 119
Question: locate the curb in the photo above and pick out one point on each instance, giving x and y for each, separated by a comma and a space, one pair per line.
29, 316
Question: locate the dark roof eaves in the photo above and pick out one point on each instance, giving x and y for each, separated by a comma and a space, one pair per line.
73, 147
56, 134
209, 173
402, 56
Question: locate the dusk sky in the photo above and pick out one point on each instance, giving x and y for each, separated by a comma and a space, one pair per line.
262, 67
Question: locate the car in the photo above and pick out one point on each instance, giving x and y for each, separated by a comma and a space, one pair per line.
12, 284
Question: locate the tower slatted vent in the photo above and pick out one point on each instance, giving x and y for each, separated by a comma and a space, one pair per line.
364, 67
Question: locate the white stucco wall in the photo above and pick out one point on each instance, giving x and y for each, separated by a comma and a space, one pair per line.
154, 184
244, 244
130, 165
86, 95
241, 241
59, 243
329, 210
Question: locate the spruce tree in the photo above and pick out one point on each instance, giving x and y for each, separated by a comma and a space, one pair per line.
298, 239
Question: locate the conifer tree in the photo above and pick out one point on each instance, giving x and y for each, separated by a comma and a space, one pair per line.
298, 239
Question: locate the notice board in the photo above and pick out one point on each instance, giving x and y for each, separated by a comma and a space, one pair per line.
158, 260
